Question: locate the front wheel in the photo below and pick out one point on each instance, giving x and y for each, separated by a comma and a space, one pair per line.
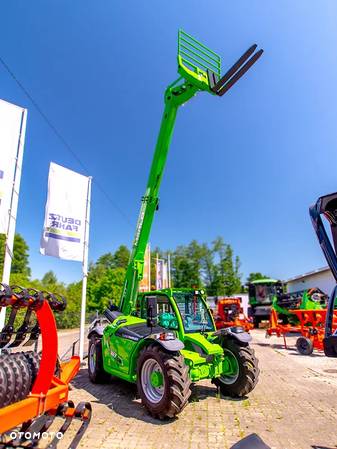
96, 372
163, 381
242, 371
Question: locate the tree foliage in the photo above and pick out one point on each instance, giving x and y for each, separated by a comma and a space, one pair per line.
213, 267
20, 262
255, 276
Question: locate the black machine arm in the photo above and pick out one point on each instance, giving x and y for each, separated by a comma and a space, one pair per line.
327, 206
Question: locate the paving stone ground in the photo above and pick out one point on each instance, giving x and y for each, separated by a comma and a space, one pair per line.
294, 406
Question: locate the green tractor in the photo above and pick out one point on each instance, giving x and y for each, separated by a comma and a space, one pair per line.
165, 340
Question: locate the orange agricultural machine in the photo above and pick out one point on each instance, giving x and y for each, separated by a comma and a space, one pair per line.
229, 313
34, 387
311, 326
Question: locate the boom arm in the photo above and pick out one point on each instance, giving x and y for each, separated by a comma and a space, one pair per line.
199, 68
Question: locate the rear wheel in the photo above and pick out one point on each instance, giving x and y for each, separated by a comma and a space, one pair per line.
304, 346
96, 372
242, 371
163, 381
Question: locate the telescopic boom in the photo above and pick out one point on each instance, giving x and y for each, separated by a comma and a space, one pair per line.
200, 70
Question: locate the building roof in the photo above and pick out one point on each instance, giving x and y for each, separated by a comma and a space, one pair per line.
309, 273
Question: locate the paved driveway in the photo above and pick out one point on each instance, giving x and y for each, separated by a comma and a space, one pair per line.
294, 406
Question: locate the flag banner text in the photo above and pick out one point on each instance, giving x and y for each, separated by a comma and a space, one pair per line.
65, 214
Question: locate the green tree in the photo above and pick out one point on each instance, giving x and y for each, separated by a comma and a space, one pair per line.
108, 288
255, 276
106, 260
20, 262
49, 279
121, 257
186, 265
226, 273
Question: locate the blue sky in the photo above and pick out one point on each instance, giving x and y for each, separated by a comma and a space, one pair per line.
245, 166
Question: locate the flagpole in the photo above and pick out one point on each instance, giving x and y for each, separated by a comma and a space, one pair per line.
85, 271
9, 243
169, 269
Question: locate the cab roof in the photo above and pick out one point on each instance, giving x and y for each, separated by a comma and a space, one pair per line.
265, 281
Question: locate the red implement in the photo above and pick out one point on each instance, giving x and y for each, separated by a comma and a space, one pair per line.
229, 313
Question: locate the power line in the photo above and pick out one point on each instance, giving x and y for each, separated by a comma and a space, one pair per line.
61, 138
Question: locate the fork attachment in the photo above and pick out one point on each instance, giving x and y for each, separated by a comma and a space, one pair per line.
242, 65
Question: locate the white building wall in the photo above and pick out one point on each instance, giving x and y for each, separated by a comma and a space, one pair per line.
323, 280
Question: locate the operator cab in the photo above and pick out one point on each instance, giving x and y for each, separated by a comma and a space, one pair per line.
179, 307
263, 291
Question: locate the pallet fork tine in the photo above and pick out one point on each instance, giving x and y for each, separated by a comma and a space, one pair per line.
235, 67
239, 74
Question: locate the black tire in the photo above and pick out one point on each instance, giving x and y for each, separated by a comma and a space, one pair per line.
3, 385
96, 372
33, 361
10, 378
14, 379
239, 385
304, 346
175, 390
26, 374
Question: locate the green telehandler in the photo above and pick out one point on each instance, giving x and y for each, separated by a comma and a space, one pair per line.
165, 340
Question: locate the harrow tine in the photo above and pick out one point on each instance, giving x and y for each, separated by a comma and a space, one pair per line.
37, 426
21, 333
34, 335
19, 298
83, 412
8, 330
63, 410
36, 299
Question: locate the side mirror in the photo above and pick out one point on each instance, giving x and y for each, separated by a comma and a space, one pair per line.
151, 311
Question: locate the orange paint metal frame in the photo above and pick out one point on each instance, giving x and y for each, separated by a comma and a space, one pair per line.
48, 391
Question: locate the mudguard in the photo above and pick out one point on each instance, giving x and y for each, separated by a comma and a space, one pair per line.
97, 327
171, 345
236, 333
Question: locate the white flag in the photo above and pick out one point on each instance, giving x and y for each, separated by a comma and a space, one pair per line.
12, 129
64, 222
165, 275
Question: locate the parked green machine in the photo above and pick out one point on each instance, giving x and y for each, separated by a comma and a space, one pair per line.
265, 294
262, 294
165, 340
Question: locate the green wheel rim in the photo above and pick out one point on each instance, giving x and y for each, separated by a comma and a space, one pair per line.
152, 379
234, 370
